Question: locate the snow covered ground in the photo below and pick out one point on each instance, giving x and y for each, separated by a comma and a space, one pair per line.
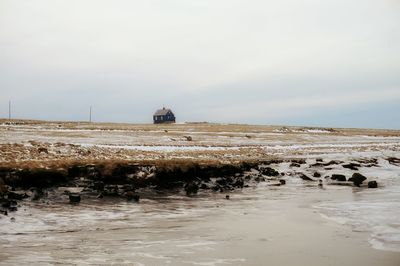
20, 142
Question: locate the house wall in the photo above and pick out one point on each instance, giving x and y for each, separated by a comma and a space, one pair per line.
163, 118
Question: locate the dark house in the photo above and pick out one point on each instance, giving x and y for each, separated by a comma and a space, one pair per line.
163, 116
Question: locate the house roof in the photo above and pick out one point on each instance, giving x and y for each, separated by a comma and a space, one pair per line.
163, 111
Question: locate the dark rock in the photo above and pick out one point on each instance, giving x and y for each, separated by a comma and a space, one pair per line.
175, 176
316, 174
282, 182
38, 178
222, 181
333, 162
320, 164
111, 190
352, 166
13, 209
98, 185
100, 196
188, 138
338, 177
248, 177
275, 185
204, 186
7, 203
268, 171
217, 188
227, 197
238, 182
319, 160
273, 161
226, 183
370, 162
305, 177
77, 171
191, 188
394, 161
74, 197
372, 184
94, 172
299, 161
317, 164
3, 188
357, 179
295, 165
17, 196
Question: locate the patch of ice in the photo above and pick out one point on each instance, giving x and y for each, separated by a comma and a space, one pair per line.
326, 145
218, 261
163, 148
197, 244
313, 131
380, 218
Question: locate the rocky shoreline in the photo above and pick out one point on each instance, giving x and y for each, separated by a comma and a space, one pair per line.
125, 180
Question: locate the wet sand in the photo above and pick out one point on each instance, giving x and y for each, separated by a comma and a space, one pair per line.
257, 226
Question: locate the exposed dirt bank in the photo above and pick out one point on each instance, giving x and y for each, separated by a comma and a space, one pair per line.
101, 160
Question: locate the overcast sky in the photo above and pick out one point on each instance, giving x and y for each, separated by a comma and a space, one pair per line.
298, 62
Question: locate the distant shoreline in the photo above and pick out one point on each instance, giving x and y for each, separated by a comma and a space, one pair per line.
28, 121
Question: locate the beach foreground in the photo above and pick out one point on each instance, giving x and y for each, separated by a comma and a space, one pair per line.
241, 195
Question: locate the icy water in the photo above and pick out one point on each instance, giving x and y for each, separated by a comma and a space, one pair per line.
376, 211
296, 224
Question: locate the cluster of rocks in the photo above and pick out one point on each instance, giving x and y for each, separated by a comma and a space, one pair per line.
9, 198
356, 179
393, 161
126, 180
355, 165
245, 178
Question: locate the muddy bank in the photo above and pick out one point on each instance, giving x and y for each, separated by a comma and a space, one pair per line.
163, 174
125, 180
117, 180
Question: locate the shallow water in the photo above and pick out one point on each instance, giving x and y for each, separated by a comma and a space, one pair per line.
163, 229
376, 211
255, 225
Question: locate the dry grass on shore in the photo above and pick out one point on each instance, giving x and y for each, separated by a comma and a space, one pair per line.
37, 144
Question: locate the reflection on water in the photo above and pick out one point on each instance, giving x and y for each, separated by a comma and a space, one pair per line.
163, 229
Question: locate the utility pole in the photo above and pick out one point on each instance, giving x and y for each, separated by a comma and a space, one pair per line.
90, 114
9, 110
